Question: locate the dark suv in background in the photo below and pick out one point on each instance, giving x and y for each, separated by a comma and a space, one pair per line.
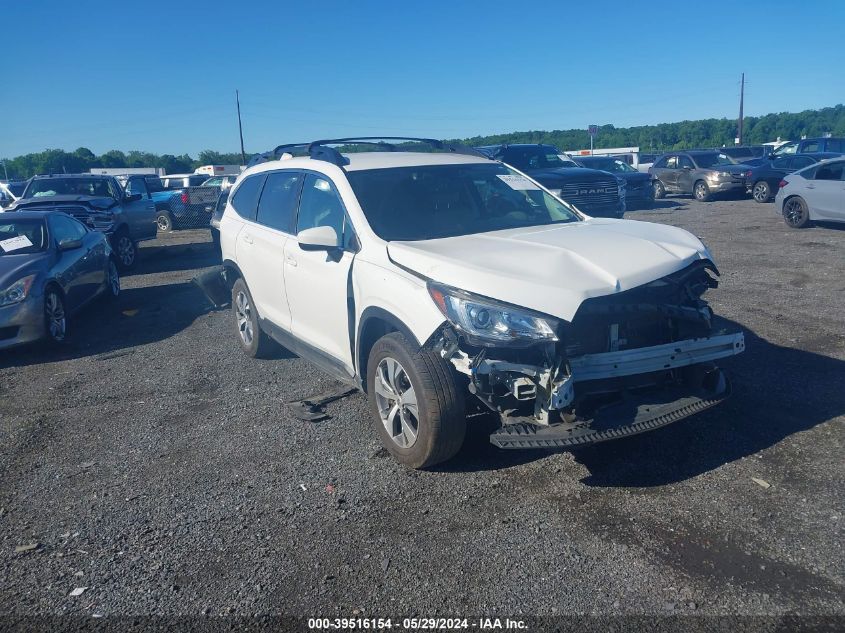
702, 173
596, 193
639, 192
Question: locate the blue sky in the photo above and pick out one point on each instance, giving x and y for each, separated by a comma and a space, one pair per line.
160, 77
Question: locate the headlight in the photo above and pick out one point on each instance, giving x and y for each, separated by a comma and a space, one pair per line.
487, 322
722, 174
17, 291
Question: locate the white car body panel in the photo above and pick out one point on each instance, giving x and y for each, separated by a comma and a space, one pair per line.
825, 198
553, 269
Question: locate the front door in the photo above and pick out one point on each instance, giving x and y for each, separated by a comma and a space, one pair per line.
318, 282
686, 178
140, 214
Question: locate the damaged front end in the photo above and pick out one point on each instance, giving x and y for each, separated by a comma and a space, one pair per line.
626, 363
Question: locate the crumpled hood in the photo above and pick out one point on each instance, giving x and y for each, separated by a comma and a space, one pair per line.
95, 202
553, 269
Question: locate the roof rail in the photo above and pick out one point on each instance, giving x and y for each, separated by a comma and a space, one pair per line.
320, 150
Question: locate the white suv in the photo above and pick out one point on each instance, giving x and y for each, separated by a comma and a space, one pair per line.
425, 278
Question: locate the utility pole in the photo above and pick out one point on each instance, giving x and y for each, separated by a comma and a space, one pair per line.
741, 100
240, 127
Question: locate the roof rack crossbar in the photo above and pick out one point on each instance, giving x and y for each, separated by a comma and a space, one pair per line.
320, 150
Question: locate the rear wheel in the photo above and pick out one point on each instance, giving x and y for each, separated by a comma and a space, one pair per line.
659, 190
252, 340
796, 213
761, 192
164, 222
55, 316
125, 249
701, 191
417, 406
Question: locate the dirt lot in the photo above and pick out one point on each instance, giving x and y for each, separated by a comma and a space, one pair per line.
154, 464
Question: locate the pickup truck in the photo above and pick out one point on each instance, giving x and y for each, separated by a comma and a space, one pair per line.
181, 200
126, 216
811, 146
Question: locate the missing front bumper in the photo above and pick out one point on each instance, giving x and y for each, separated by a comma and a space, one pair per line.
632, 415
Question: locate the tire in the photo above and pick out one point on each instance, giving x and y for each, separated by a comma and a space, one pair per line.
438, 409
55, 316
659, 190
164, 222
253, 342
796, 214
125, 249
700, 191
761, 191
112, 281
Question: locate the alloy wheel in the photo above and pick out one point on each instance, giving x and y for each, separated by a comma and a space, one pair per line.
114, 279
700, 191
397, 402
794, 212
760, 192
54, 312
125, 250
243, 313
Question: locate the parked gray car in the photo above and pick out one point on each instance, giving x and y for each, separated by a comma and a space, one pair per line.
702, 173
101, 204
51, 266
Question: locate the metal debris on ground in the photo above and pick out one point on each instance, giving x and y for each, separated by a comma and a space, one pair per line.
27, 548
313, 408
761, 482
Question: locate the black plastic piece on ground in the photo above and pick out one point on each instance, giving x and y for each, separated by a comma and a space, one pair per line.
313, 408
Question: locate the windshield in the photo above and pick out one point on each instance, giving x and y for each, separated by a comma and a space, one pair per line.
423, 203
18, 237
608, 164
526, 159
711, 160
96, 187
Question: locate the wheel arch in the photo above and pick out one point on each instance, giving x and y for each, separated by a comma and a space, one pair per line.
374, 323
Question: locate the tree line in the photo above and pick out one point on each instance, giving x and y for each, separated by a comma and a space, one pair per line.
656, 138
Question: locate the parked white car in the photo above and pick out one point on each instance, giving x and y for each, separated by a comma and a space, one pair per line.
428, 278
813, 193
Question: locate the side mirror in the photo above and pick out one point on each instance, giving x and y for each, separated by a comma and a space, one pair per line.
318, 238
134, 197
69, 245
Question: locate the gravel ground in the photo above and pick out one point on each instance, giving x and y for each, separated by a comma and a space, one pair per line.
153, 463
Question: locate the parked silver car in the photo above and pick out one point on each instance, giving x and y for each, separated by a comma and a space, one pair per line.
813, 193
702, 173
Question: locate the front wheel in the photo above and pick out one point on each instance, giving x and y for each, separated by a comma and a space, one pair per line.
796, 213
761, 191
701, 191
659, 190
125, 249
55, 317
417, 406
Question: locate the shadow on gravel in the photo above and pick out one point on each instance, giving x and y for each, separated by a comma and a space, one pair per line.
777, 391
139, 316
175, 257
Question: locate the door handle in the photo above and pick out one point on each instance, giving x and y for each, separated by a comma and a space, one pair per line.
290, 260
811, 186
247, 239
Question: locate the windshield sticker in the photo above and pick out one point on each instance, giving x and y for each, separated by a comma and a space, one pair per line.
518, 183
15, 243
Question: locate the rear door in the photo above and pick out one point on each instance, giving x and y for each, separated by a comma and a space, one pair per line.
826, 195
670, 174
140, 214
318, 282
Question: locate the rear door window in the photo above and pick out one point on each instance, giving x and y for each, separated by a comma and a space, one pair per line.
245, 199
799, 162
279, 196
